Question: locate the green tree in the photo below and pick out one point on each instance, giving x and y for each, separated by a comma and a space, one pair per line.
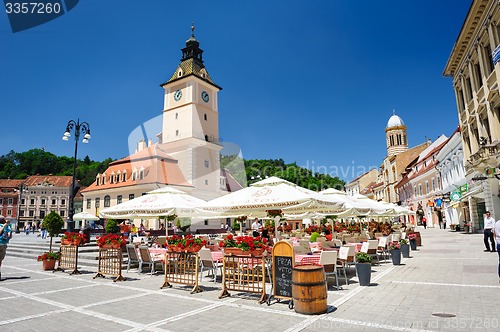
53, 223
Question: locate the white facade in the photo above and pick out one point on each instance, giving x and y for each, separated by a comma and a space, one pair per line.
452, 170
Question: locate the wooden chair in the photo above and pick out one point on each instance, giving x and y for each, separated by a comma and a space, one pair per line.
329, 261
146, 259
208, 264
132, 256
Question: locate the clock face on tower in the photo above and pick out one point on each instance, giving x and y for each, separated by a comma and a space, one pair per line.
177, 95
204, 96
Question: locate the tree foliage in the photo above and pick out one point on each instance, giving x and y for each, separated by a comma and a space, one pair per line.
19, 165
260, 169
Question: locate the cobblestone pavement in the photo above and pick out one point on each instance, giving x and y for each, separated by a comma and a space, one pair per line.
449, 284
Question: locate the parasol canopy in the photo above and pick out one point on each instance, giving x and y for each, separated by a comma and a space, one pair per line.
157, 203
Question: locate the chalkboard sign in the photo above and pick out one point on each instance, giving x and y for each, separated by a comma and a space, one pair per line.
283, 261
282, 266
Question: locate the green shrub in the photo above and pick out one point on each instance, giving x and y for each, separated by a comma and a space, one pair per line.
362, 257
53, 223
236, 226
112, 226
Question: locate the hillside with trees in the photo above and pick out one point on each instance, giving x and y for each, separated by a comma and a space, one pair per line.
19, 165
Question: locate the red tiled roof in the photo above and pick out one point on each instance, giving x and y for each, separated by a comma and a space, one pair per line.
8, 183
54, 180
156, 164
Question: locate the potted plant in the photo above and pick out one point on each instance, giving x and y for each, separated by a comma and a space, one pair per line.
254, 246
48, 259
405, 248
73, 238
413, 241
111, 241
363, 268
395, 250
112, 226
53, 223
187, 243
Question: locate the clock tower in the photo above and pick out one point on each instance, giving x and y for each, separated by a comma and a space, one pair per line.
191, 122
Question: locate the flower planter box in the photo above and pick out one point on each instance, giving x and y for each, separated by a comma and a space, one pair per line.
239, 252
48, 264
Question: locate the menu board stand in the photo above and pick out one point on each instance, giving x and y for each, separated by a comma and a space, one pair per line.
282, 263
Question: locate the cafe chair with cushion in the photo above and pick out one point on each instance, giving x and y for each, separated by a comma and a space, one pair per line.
382, 247
371, 248
347, 257
329, 261
147, 259
133, 258
208, 264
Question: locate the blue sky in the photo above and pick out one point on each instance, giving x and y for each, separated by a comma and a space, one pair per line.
312, 82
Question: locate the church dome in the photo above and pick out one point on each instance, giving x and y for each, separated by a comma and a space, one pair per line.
395, 121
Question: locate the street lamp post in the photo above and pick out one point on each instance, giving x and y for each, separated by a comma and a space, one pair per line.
77, 128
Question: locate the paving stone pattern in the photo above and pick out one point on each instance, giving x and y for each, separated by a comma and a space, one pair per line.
448, 284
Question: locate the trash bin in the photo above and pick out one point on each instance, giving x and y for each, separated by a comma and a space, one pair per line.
309, 289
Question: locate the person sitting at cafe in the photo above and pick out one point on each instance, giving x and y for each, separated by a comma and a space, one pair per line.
141, 230
328, 235
133, 232
265, 235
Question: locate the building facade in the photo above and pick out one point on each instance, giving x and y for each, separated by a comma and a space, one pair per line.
186, 155
475, 72
42, 194
454, 183
357, 185
9, 198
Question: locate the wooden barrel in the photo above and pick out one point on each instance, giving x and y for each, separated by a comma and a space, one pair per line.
309, 289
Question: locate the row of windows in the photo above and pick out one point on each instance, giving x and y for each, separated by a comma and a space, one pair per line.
120, 177
9, 201
107, 201
398, 139
31, 213
43, 201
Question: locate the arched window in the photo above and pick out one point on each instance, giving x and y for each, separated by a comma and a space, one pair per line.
107, 201
205, 116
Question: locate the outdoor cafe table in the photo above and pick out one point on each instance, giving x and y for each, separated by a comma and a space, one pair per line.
216, 255
307, 259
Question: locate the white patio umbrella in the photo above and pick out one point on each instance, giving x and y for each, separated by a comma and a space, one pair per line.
157, 203
376, 208
84, 216
270, 194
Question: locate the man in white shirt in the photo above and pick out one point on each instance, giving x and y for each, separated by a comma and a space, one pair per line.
496, 230
489, 223
255, 227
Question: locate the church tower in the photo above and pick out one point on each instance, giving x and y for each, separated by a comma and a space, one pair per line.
191, 122
395, 136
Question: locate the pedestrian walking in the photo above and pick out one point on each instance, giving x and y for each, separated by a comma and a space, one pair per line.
5, 236
424, 222
44, 231
444, 222
489, 223
27, 229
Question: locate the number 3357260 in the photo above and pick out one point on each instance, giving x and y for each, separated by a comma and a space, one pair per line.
32, 7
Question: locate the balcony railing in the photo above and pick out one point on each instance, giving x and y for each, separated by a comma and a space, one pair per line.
486, 155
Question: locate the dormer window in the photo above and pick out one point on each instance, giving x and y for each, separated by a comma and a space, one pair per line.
179, 74
104, 178
97, 180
